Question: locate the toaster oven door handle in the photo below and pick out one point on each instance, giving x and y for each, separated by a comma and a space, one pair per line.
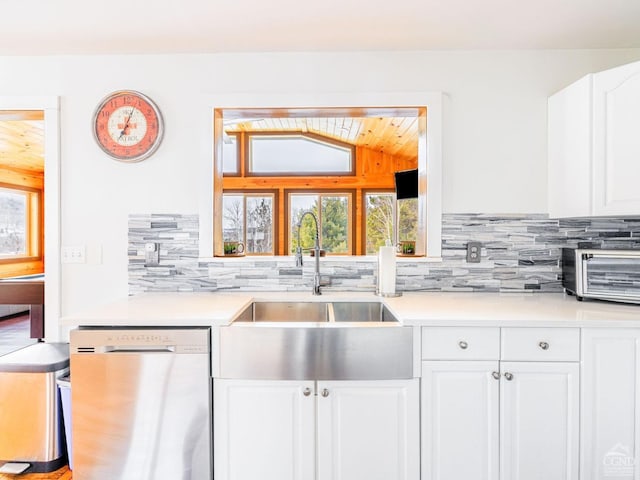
609, 253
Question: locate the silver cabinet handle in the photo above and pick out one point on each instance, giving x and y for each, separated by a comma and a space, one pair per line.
306, 392
325, 392
508, 376
463, 345
496, 375
544, 345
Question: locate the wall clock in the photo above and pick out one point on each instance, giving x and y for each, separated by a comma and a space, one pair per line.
128, 126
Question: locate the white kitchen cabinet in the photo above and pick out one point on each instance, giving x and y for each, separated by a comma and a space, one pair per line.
264, 430
594, 145
369, 430
460, 428
501, 419
539, 421
610, 416
355, 429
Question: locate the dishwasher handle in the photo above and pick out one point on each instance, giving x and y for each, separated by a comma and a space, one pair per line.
140, 349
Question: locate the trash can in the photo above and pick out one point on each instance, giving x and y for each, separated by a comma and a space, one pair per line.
30, 413
64, 385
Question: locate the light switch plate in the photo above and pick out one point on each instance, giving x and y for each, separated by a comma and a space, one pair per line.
75, 254
474, 252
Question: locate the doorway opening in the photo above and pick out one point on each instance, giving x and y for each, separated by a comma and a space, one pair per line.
29, 216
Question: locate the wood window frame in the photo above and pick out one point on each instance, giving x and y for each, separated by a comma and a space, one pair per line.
352, 212
256, 193
318, 138
34, 236
240, 106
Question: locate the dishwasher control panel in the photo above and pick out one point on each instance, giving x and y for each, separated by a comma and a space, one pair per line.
127, 340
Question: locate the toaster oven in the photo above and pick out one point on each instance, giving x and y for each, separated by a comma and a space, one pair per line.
612, 275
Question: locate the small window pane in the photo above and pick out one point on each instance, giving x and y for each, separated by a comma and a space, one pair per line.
297, 154
408, 219
379, 221
13, 223
333, 218
230, 154
300, 204
233, 218
335, 224
259, 224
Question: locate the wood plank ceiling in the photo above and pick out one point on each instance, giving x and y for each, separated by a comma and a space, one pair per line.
397, 136
22, 141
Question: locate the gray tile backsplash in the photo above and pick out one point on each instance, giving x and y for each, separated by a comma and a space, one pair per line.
519, 253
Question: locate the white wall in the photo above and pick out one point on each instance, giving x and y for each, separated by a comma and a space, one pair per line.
494, 130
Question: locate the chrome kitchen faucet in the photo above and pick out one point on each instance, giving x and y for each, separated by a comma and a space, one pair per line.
316, 251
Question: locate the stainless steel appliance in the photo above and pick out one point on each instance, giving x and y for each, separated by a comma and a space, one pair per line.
602, 274
31, 438
141, 402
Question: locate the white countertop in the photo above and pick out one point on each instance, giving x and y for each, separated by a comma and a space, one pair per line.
433, 308
164, 309
510, 309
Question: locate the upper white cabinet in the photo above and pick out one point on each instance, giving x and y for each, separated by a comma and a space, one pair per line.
594, 145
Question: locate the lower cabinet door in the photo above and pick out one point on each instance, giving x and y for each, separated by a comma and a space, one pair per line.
264, 430
460, 410
610, 410
369, 430
539, 421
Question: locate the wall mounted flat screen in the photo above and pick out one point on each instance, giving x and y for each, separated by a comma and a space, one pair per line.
406, 184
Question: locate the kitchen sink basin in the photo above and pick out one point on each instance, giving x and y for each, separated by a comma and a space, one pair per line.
316, 341
317, 312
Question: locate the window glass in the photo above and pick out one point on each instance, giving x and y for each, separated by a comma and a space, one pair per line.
13, 223
334, 219
249, 218
297, 154
259, 214
379, 222
332, 211
233, 218
298, 204
408, 219
230, 154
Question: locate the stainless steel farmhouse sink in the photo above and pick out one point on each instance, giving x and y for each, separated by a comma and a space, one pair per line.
316, 341
318, 312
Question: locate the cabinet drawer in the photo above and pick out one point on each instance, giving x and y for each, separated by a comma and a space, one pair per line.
541, 344
460, 343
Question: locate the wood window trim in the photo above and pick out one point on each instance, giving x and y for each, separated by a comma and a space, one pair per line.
352, 212
256, 193
32, 261
246, 156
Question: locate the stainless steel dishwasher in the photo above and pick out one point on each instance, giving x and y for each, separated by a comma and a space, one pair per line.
141, 401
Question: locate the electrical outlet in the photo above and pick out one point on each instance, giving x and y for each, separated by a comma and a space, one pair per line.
474, 251
151, 254
73, 254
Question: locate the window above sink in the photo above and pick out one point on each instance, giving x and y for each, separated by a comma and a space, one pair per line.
235, 176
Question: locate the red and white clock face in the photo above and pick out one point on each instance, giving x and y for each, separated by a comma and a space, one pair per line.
128, 126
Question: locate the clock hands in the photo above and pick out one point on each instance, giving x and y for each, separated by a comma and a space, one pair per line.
125, 129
